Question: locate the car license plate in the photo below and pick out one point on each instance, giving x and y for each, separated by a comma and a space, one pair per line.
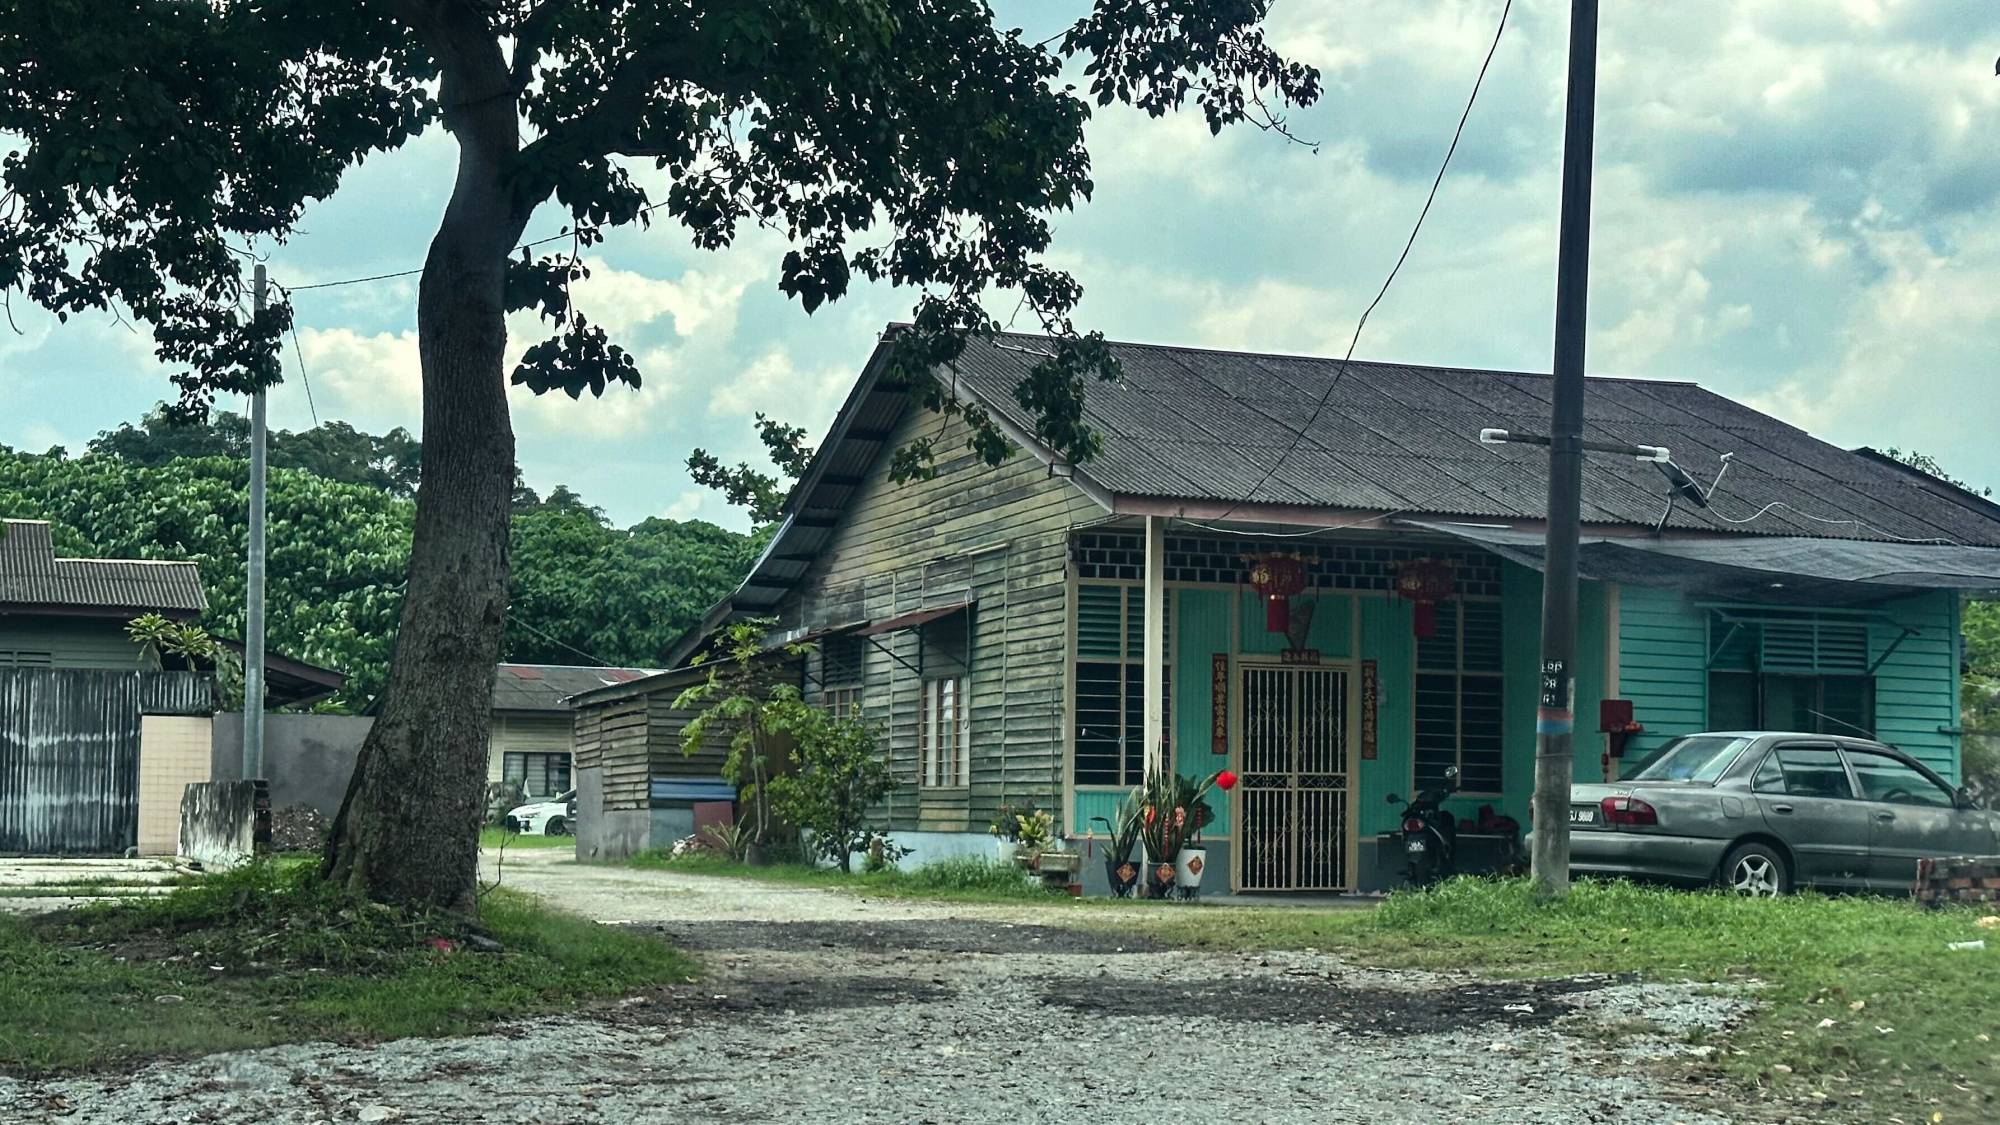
1415, 847
1583, 814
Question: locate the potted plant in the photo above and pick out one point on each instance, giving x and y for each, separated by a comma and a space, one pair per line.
1173, 811
1007, 825
1035, 832
1121, 868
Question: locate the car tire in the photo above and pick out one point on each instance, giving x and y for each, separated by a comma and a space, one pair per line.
557, 827
1756, 870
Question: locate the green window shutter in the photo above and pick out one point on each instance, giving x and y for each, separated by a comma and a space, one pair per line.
1100, 612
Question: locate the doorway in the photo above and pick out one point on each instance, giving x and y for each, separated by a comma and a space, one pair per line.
1293, 815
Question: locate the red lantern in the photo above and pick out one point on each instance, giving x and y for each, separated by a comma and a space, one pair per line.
1225, 781
1277, 578
1425, 582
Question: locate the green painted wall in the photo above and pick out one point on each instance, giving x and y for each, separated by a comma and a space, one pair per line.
1916, 685
74, 642
1521, 644
1662, 665
1331, 634
1386, 639
1663, 647
1201, 631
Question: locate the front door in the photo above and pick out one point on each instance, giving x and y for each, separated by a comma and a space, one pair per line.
1292, 815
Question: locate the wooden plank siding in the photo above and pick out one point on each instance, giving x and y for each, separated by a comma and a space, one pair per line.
1663, 669
1002, 536
70, 642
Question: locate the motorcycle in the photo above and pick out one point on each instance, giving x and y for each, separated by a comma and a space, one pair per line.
1430, 833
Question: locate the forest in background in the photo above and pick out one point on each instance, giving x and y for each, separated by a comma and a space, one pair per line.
338, 531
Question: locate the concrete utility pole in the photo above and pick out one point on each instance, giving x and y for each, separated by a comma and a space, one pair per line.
1555, 718
253, 611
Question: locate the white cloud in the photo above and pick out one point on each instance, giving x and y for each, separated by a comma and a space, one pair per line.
687, 505
775, 385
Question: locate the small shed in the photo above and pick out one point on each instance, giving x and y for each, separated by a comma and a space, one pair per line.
635, 787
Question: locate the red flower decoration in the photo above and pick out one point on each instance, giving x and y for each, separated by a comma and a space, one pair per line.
1151, 815
1225, 781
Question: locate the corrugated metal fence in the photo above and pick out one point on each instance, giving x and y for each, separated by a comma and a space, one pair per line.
69, 754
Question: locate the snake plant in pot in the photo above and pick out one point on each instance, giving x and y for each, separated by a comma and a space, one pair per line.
1121, 868
1173, 811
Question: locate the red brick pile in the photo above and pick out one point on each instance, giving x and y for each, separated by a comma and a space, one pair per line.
1965, 878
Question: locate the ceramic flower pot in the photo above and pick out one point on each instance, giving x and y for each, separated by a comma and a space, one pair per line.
1160, 881
1188, 866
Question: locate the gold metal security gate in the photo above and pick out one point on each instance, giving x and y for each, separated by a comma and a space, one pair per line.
1292, 821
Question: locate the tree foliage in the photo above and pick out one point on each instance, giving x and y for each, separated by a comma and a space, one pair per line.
333, 450
746, 486
338, 551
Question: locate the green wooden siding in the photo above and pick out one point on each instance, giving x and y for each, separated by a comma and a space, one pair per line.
1202, 630
1521, 642
71, 642
1386, 638
1331, 632
1916, 685
1662, 665
1663, 668
1001, 534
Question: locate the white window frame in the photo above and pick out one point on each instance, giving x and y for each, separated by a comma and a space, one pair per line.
944, 733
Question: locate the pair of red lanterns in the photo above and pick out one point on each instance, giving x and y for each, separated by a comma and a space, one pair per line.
1277, 578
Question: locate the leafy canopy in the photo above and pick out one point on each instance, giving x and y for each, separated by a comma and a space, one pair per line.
339, 551
911, 142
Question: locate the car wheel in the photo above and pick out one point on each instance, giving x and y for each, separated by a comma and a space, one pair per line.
557, 827
1756, 871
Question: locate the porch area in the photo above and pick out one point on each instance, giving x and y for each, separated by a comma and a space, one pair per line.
1335, 704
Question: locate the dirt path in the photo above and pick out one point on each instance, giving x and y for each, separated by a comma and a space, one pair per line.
821, 1007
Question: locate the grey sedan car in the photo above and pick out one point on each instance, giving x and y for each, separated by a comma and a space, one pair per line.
1760, 813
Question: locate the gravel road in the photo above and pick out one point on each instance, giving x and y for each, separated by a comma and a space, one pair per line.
821, 1007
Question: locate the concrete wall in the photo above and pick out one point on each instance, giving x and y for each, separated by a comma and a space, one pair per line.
307, 758
174, 752
223, 823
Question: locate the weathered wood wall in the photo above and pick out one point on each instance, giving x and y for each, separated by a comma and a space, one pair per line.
1000, 534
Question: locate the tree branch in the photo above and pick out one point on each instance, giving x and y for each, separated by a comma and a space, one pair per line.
531, 37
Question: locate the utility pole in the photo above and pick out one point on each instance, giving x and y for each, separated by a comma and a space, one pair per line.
1555, 717
253, 611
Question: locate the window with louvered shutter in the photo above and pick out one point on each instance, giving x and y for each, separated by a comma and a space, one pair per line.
1110, 702
1458, 698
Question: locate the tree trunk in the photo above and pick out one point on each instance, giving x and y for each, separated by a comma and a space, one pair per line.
408, 829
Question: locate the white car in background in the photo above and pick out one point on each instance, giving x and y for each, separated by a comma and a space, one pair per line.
549, 816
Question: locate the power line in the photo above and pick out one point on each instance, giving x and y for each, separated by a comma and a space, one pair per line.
301, 354
571, 233
1408, 243
598, 660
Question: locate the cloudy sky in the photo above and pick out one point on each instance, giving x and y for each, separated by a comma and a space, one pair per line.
1797, 204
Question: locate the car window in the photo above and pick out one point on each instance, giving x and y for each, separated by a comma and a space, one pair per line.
1813, 771
1885, 779
1699, 758
1770, 776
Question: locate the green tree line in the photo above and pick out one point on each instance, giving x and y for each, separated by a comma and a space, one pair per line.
339, 526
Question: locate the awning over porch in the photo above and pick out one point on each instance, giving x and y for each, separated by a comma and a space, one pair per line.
1765, 569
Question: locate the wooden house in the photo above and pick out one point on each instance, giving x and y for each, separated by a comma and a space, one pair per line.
1039, 631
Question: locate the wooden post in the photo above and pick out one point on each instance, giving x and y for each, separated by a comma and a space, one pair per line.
1155, 642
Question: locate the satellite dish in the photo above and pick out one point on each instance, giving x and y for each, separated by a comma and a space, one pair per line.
1684, 485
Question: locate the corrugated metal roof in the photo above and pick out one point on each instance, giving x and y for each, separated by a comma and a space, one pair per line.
1192, 424
32, 575
545, 687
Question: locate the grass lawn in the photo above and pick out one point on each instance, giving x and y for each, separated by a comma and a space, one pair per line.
966, 879
265, 955
491, 838
1913, 1024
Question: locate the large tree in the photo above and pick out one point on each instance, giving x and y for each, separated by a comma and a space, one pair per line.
907, 141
